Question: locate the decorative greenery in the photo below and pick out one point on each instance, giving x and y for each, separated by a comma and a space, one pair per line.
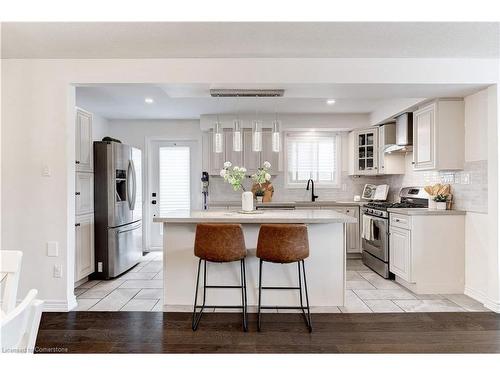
441, 198
262, 176
234, 175
260, 193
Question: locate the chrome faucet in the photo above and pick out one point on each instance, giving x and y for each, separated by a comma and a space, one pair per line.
313, 197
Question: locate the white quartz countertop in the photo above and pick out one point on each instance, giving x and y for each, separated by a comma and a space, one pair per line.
424, 212
301, 204
264, 216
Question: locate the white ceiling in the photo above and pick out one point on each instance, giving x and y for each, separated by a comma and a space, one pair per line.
233, 40
126, 101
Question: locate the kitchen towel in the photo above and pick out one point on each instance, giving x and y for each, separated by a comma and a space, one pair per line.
367, 230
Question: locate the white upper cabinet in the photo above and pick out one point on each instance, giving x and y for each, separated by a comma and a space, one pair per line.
216, 160
365, 152
235, 157
251, 159
267, 152
83, 146
438, 136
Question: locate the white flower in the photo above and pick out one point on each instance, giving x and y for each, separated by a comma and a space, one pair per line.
268, 176
243, 169
227, 164
236, 168
223, 173
267, 165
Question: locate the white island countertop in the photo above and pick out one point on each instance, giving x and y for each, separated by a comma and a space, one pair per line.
260, 217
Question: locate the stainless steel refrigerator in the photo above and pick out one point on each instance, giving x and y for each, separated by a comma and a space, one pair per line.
117, 207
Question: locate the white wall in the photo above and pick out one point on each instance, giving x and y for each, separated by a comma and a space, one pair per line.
481, 253
100, 127
135, 132
41, 209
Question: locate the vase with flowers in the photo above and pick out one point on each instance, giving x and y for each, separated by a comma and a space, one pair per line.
262, 187
235, 175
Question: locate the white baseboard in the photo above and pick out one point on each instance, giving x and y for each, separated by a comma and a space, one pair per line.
481, 297
59, 305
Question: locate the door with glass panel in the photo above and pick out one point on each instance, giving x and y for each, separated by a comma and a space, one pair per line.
367, 151
173, 183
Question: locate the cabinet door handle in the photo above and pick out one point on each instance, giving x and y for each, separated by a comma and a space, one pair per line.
413, 162
77, 224
77, 193
77, 161
396, 220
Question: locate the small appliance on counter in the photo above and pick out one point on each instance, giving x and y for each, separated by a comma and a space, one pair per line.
375, 192
204, 190
375, 228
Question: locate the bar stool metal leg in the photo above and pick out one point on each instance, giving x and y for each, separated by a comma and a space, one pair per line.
260, 294
197, 317
308, 319
244, 294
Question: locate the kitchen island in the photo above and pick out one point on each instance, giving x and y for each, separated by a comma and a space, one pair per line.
325, 266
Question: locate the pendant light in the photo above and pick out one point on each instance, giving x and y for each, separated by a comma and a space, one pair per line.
218, 138
257, 134
237, 135
218, 135
276, 135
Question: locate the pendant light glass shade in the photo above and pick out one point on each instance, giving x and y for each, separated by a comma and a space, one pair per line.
218, 138
257, 136
237, 141
276, 136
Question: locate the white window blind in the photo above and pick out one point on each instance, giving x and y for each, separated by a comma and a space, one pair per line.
174, 179
313, 156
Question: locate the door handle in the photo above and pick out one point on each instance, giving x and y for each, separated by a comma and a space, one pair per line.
77, 193
153, 202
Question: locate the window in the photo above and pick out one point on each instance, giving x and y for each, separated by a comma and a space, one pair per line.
313, 156
174, 179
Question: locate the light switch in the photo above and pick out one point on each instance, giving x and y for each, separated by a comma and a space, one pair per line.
46, 171
52, 249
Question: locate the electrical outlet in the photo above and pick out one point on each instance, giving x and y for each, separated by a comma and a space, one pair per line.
99, 266
52, 249
57, 271
344, 187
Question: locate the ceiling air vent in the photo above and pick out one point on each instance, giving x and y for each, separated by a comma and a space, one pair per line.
230, 93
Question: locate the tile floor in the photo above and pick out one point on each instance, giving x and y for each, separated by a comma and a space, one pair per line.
141, 289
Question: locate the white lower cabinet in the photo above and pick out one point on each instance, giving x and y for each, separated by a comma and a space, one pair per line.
353, 237
427, 252
400, 253
84, 246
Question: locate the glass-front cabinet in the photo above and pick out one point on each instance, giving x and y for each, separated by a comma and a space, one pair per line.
366, 151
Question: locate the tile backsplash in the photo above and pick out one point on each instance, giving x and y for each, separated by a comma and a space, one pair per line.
469, 186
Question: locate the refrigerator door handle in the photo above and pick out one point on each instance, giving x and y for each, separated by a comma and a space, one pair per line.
133, 194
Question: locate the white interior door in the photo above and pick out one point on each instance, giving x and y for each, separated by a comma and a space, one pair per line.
174, 183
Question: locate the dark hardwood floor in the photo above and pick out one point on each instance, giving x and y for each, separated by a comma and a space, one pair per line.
151, 332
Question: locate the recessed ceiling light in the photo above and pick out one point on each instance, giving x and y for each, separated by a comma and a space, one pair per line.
330, 101
149, 100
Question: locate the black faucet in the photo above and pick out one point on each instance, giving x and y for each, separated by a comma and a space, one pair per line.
313, 197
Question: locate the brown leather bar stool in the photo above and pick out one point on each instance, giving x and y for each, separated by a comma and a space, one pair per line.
284, 243
219, 243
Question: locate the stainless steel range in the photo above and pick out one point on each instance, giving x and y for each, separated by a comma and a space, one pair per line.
375, 228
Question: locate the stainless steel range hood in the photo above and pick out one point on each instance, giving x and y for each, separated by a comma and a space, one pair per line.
404, 134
